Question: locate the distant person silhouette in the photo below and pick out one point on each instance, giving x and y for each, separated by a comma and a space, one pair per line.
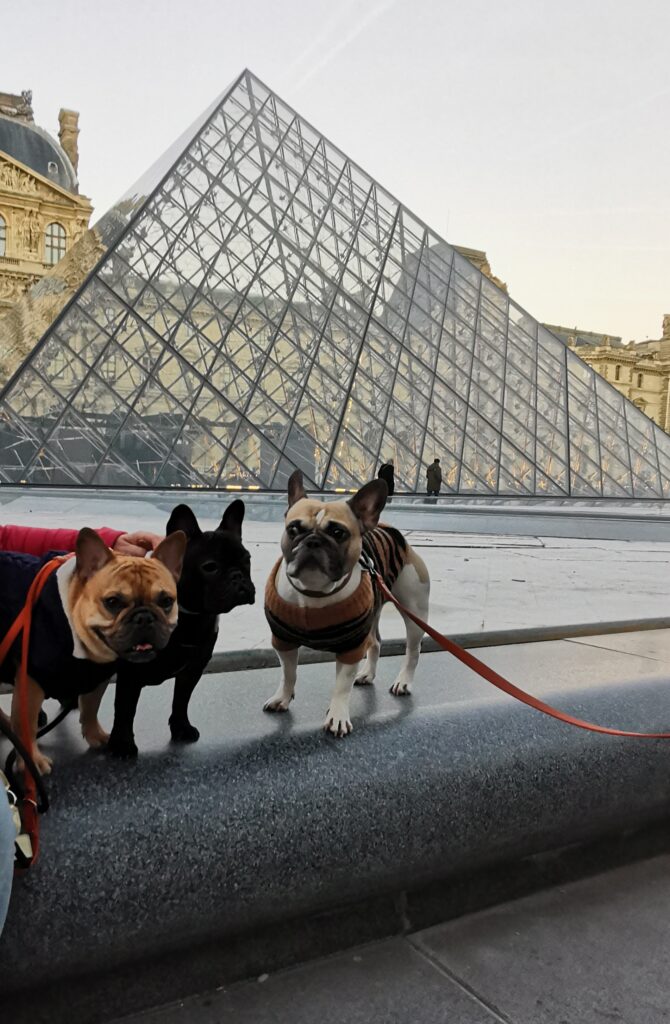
434, 478
385, 473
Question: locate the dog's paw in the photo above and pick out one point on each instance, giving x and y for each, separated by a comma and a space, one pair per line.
95, 735
121, 746
277, 703
364, 679
401, 688
337, 722
44, 764
40, 760
183, 732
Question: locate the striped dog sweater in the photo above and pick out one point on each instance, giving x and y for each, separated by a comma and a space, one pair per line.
342, 628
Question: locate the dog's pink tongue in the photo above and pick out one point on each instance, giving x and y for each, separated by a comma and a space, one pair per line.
143, 647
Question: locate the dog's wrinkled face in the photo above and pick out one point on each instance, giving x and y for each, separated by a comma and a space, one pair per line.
124, 607
216, 575
322, 540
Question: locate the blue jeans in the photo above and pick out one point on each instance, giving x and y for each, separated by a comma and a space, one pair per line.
7, 836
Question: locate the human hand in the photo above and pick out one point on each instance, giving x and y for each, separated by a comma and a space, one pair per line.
137, 543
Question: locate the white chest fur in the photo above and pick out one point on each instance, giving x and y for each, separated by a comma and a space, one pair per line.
64, 579
288, 592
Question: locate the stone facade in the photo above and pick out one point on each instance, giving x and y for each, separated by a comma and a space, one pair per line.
27, 319
38, 217
480, 260
640, 371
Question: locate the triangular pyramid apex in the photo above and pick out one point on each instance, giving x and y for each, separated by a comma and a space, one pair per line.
252, 77
160, 170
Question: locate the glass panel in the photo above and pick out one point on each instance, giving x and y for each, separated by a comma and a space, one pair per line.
254, 462
316, 421
19, 444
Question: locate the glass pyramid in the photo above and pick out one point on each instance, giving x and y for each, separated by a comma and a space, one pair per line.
265, 305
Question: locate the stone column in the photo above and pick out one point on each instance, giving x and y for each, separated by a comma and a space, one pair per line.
68, 133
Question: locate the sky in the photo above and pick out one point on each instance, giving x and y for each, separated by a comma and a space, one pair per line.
536, 130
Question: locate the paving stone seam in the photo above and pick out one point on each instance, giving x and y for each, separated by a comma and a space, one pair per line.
455, 979
613, 650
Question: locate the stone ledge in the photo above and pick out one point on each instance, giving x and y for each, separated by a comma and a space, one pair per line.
268, 841
266, 657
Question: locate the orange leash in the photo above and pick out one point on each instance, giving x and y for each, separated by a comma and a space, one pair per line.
493, 677
22, 624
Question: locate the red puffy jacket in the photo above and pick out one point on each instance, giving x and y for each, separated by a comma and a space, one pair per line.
34, 540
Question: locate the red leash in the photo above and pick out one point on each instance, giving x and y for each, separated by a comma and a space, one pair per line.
491, 676
22, 623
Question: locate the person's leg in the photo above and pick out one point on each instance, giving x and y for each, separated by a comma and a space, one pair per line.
7, 836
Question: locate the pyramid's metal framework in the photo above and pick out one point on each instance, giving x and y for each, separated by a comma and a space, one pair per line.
269, 306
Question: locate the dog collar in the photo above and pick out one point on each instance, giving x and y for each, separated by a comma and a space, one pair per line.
317, 593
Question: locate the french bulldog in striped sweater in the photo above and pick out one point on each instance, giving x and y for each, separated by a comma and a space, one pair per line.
319, 596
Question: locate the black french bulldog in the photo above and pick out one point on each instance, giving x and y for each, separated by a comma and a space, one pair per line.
214, 580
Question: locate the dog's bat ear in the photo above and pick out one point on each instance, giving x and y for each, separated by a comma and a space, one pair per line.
367, 504
232, 518
182, 518
296, 491
171, 552
92, 553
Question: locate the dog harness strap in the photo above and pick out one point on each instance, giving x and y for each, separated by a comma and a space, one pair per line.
493, 677
25, 614
22, 625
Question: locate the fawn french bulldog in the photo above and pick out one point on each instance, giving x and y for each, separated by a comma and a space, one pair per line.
96, 610
319, 596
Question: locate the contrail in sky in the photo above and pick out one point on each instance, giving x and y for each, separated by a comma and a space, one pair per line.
317, 44
326, 58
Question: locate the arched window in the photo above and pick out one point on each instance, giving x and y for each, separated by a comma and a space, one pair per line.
3, 236
640, 378
54, 243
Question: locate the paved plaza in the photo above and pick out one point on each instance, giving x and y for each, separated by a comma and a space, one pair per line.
591, 952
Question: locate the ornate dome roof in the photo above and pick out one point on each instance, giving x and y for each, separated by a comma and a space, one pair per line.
35, 148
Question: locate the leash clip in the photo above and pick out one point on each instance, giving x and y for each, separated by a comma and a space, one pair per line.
367, 564
23, 852
23, 847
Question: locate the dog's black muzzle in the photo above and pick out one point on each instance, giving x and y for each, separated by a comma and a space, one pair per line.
239, 590
144, 634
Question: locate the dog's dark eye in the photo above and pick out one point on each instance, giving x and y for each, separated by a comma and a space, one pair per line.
293, 529
337, 532
165, 602
210, 567
114, 603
